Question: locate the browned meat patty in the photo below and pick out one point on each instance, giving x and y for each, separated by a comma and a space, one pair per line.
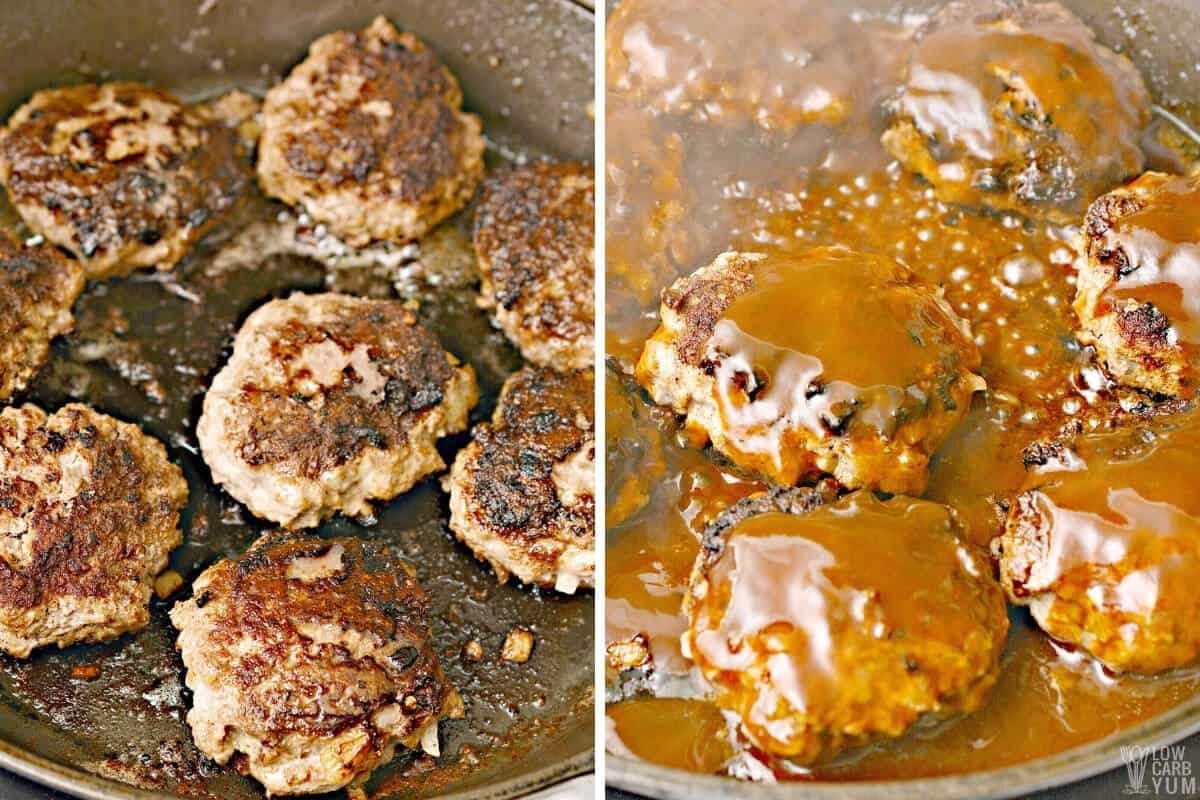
368, 136
89, 511
1138, 293
122, 175
328, 403
824, 624
309, 661
792, 388
1103, 545
522, 494
535, 237
1018, 108
38, 287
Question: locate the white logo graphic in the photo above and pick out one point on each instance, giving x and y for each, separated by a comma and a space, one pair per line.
1135, 759
1162, 772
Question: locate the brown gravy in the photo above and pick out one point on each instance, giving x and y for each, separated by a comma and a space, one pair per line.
1161, 239
785, 364
826, 614
683, 188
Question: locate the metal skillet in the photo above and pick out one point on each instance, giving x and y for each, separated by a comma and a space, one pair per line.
527, 69
1161, 36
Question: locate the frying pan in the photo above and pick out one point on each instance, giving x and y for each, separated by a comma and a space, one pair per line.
1163, 39
527, 69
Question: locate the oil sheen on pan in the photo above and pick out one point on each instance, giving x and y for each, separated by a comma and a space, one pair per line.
901, 349
289, 505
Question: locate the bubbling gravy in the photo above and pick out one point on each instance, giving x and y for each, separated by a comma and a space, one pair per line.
688, 178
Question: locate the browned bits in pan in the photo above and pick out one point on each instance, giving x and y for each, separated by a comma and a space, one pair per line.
85, 672
518, 646
473, 650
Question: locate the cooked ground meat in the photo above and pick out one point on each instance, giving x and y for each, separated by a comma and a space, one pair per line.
368, 136
89, 511
792, 388
309, 661
1103, 545
827, 625
1138, 293
328, 403
535, 238
38, 287
522, 494
122, 175
1018, 108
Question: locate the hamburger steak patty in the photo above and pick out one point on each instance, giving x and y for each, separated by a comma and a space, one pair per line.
1017, 107
535, 237
89, 511
122, 175
1138, 291
828, 624
522, 494
330, 402
768, 358
1103, 544
312, 660
368, 135
38, 287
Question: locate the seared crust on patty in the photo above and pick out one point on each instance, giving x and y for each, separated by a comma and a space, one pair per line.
328, 403
783, 499
1017, 107
38, 287
89, 511
699, 300
825, 625
367, 134
522, 494
792, 388
312, 659
535, 238
122, 175
1137, 294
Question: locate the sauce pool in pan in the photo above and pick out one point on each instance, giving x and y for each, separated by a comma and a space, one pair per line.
762, 134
